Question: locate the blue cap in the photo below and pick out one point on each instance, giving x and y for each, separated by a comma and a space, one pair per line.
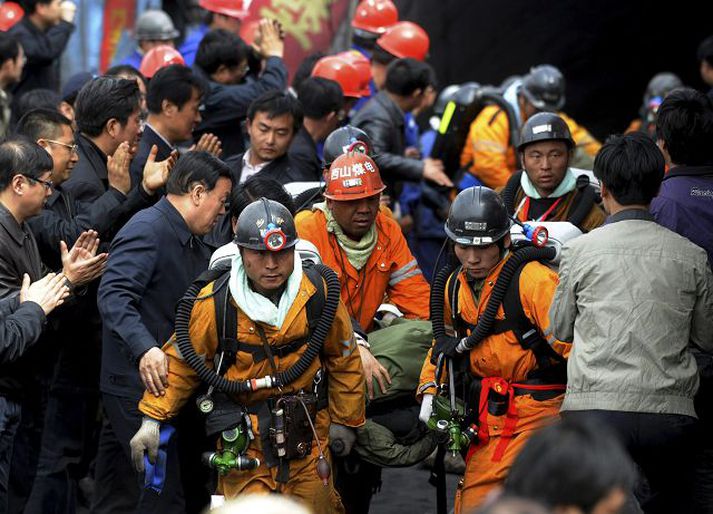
75, 83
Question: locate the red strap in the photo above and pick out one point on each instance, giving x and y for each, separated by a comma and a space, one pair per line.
526, 209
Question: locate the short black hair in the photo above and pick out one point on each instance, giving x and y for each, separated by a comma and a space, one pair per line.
36, 99
256, 187
705, 51
319, 97
404, 76
220, 47
9, 47
631, 167
571, 464
30, 6
304, 70
196, 167
684, 122
20, 156
42, 124
102, 99
174, 83
125, 70
277, 103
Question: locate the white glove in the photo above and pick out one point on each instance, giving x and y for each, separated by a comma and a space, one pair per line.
341, 439
426, 408
146, 439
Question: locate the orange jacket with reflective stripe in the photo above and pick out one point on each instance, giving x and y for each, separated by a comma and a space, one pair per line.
489, 155
390, 271
338, 357
500, 355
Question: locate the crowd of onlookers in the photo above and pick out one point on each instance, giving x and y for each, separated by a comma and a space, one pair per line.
116, 189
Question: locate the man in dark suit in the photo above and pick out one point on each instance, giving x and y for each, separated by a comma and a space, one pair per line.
154, 258
43, 34
74, 357
382, 118
107, 115
322, 102
273, 120
222, 59
173, 98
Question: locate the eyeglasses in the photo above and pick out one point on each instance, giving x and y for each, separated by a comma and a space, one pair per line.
72, 148
47, 183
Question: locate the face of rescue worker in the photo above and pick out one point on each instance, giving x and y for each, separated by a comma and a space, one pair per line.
478, 261
546, 163
268, 271
209, 204
270, 137
355, 216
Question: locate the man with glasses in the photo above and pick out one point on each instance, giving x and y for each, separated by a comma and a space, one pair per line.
25, 185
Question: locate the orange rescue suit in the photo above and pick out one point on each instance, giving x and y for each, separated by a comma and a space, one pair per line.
500, 361
390, 271
346, 392
487, 152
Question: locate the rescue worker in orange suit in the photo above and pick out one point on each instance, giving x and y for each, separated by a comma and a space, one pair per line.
365, 246
270, 290
547, 189
488, 154
516, 394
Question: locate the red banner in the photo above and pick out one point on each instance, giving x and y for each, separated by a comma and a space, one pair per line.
119, 15
310, 25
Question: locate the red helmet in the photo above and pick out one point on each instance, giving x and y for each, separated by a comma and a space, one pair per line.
249, 31
353, 176
10, 14
375, 16
405, 39
362, 65
234, 8
340, 71
159, 57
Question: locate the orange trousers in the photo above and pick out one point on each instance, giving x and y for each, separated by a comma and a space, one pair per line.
484, 471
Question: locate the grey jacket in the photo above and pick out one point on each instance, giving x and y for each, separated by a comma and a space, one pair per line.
632, 296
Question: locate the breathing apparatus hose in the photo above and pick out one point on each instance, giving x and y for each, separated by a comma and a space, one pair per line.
437, 300
281, 379
485, 323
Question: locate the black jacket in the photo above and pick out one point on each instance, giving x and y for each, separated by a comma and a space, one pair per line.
90, 181
226, 106
59, 221
148, 139
153, 260
20, 326
281, 169
43, 50
18, 255
383, 121
304, 158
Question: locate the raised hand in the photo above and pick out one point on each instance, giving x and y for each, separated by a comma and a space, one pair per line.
156, 173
